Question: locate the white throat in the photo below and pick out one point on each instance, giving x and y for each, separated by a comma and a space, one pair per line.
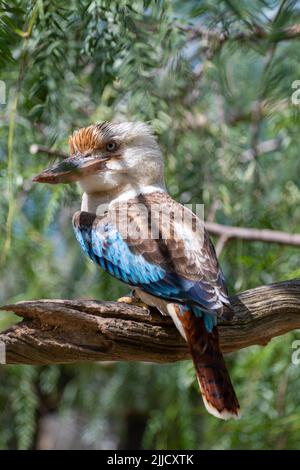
96, 202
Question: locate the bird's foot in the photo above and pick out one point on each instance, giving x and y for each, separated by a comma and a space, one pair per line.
133, 301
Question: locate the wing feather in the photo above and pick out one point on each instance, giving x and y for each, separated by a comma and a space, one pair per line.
178, 264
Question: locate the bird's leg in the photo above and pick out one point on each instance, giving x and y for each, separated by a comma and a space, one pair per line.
132, 299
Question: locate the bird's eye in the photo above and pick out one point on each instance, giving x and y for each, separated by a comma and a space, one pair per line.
111, 146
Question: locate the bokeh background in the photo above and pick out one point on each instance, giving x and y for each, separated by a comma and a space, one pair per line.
215, 80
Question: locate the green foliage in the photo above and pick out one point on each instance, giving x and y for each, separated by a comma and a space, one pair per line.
66, 66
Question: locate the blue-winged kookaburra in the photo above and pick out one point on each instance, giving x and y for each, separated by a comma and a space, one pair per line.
133, 229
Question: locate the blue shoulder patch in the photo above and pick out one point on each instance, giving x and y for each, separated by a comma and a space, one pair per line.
106, 247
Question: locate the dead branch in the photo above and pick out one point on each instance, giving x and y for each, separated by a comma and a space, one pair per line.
70, 331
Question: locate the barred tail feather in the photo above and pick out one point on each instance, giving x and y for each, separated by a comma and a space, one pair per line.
215, 385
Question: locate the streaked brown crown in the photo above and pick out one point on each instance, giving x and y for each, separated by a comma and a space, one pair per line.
87, 139
96, 136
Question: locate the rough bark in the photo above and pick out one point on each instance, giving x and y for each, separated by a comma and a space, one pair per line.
69, 331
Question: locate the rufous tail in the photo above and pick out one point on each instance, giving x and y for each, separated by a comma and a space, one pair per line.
215, 385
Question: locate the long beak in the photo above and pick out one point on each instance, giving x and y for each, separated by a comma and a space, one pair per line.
70, 170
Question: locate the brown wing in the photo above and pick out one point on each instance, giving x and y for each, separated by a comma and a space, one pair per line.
169, 235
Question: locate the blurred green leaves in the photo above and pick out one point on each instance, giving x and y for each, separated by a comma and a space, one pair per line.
87, 61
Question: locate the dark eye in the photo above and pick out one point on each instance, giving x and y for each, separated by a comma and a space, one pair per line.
111, 146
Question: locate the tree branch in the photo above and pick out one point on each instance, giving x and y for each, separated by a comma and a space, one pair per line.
253, 234
267, 146
35, 148
70, 331
258, 33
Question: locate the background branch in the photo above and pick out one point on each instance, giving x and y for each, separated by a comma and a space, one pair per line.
70, 331
221, 37
253, 234
267, 146
36, 148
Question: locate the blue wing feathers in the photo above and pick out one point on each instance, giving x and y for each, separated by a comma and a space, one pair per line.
107, 248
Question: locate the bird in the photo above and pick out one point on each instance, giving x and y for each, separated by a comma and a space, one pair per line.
131, 227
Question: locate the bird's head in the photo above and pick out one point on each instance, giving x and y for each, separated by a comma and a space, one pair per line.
107, 156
